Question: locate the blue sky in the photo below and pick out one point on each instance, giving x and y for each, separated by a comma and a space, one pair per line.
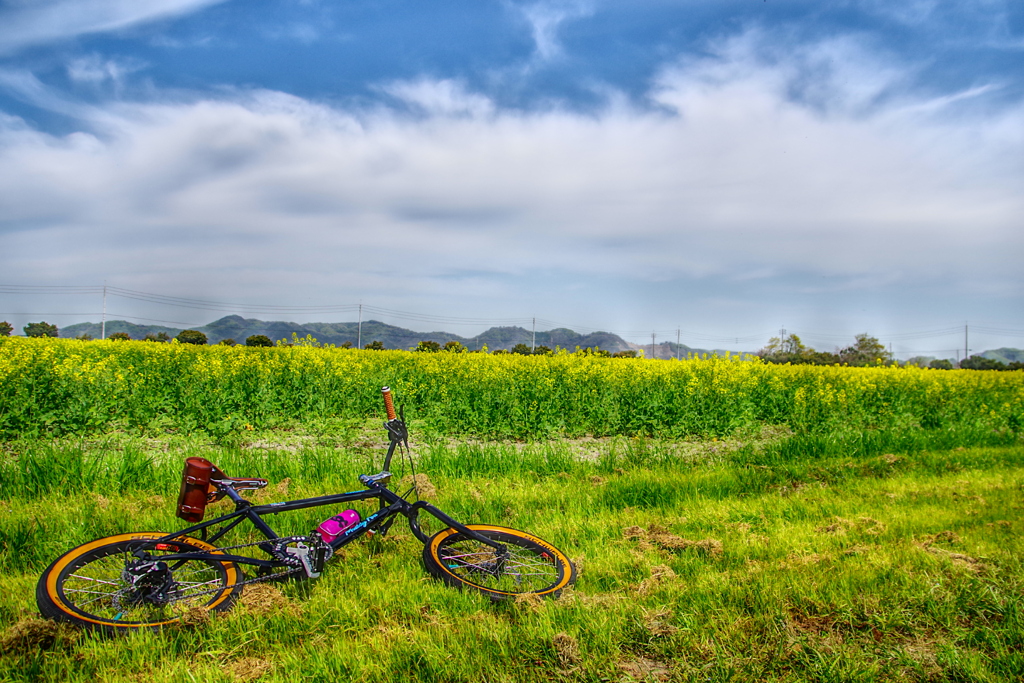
721, 167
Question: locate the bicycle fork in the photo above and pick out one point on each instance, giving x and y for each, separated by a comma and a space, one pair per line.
501, 551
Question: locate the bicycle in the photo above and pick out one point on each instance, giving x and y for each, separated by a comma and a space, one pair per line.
148, 580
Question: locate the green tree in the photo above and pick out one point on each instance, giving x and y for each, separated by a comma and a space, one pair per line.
628, 353
85, 336
5, 329
813, 357
191, 337
941, 364
428, 347
119, 336
228, 341
158, 337
787, 349
981, 363
258, 340
522, 349
785, 345
346, 344
867, 350
40, 329
542, 351
375, 345
454, 347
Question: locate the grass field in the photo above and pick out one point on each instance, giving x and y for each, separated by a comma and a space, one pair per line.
730, 520
774, 558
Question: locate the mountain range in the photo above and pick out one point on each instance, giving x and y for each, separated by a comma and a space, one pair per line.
238, 328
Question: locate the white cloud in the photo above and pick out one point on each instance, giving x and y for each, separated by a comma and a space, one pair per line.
978, 23
440, 97
28, 24
739, 175
24, 86
98, 72
545, 18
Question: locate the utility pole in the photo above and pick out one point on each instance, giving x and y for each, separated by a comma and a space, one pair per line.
652, 345
103, 320
677, 343
359, 333
966, 356
534, 347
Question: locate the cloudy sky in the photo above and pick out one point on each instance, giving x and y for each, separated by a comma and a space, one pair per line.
725, 168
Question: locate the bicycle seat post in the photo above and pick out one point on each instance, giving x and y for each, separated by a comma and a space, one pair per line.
229, 491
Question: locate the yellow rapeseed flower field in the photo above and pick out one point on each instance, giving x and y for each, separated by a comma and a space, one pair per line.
58, 386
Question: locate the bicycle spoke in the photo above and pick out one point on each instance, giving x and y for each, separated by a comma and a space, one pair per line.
481, 565
89, 578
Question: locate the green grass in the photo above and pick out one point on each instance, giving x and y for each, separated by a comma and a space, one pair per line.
858, 557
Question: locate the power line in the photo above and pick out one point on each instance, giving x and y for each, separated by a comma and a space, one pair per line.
689, 335
50, 289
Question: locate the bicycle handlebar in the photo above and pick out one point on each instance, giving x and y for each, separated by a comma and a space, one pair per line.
389, 405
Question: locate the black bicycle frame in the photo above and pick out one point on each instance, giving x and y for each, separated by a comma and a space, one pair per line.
391, 504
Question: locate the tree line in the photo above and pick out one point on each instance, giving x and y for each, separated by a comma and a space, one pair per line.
865, 351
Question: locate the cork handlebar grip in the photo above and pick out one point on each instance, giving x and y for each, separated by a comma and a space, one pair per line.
388, 403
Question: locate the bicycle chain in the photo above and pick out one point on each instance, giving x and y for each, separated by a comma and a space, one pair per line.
293, 562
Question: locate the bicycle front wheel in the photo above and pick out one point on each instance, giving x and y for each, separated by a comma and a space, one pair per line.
105, 585
530, 564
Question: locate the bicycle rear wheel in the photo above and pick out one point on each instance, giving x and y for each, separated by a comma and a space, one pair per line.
99, 585
531, 565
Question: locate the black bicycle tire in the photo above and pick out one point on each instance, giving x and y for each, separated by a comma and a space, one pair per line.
52, 590
526, 547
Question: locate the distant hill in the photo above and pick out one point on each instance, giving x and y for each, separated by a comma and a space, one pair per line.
1005, 355
134, 331
238, 328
